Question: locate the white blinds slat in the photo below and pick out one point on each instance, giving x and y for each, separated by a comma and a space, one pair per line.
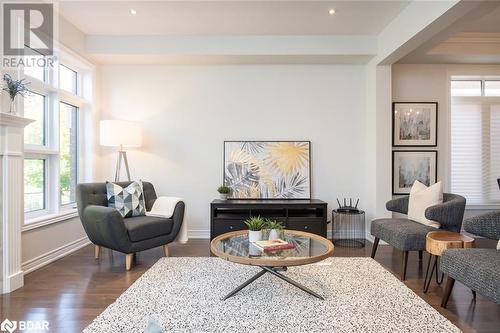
466, 159
475, 151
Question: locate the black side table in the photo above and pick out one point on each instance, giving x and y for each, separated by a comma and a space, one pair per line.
348, 229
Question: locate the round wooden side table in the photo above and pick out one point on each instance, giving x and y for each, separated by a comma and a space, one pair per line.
436, 243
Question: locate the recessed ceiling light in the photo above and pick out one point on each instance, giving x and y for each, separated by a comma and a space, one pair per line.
133, 11
331, 11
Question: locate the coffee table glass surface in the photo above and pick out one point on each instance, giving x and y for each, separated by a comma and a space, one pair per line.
309, 248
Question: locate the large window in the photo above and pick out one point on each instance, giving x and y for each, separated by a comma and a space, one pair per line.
53, 142
34, 185
475, 140
35, 107
68, 147
68, 79
37, 72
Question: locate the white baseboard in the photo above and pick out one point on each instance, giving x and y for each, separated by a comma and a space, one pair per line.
13, 282
53, 255
199, 234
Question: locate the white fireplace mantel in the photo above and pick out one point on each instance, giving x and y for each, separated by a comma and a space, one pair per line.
11, 200
7, 119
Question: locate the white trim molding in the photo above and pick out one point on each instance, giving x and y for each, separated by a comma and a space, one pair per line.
53, 255
199, 234
12, 200
49, 219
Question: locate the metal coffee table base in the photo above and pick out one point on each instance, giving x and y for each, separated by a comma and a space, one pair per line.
276, 272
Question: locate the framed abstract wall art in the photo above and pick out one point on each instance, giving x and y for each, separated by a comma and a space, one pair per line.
414, 124
408, 166
268, 169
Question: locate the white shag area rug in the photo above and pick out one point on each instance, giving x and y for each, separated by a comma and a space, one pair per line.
184, 295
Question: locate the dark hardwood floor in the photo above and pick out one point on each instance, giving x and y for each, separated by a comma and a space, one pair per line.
72, 291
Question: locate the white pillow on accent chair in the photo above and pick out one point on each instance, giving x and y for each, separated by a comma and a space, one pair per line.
422, 197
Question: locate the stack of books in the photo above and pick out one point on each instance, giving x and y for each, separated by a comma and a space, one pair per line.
273, 245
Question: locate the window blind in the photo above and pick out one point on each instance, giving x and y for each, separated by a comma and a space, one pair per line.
475, 149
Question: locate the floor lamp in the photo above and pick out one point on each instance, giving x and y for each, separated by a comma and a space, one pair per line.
121, 134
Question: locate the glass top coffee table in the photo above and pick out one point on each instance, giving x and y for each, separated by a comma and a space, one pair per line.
309, 248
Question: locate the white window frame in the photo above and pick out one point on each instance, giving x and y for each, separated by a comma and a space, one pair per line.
470, 75
55, 211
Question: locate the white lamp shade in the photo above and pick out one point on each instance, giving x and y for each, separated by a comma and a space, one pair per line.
116, 133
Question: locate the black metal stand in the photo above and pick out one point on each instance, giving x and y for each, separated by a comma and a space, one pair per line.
435, 266
274, 271
348, 228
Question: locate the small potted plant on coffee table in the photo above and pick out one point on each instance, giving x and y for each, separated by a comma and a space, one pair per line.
275, 228
223, 192
255, 225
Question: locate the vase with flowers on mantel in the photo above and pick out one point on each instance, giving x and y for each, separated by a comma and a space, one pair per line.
14, 88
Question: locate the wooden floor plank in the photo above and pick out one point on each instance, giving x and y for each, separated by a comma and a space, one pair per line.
72, 291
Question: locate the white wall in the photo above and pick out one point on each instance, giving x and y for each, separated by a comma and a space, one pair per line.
188, 111
45, 244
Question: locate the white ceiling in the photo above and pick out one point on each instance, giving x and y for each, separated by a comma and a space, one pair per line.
230, 17
487, 23
475, 40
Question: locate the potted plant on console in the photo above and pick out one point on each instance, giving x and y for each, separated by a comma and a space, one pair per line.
255, 225
274, 228
224, 192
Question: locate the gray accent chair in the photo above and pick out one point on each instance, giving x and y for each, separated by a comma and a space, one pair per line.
478, 269
407, 235
105, 226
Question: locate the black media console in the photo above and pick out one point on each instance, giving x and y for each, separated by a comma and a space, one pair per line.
303, 215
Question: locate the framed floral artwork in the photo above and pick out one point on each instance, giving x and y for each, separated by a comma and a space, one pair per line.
268, 169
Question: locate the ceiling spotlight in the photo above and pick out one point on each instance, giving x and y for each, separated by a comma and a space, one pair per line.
133, 11
331, 11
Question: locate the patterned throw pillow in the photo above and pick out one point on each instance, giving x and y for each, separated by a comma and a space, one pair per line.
129, 201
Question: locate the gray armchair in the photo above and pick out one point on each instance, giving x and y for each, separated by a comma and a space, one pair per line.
105, 226
407, 235
478, 269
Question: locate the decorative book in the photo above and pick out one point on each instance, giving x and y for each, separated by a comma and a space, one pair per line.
273, 245
271, 242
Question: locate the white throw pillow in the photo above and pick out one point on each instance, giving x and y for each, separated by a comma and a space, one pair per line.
422, 197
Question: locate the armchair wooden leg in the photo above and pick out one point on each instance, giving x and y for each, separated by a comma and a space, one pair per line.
403, 265
129, 258
165, 250
447, 291
420, 255
374, 248
97, 251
